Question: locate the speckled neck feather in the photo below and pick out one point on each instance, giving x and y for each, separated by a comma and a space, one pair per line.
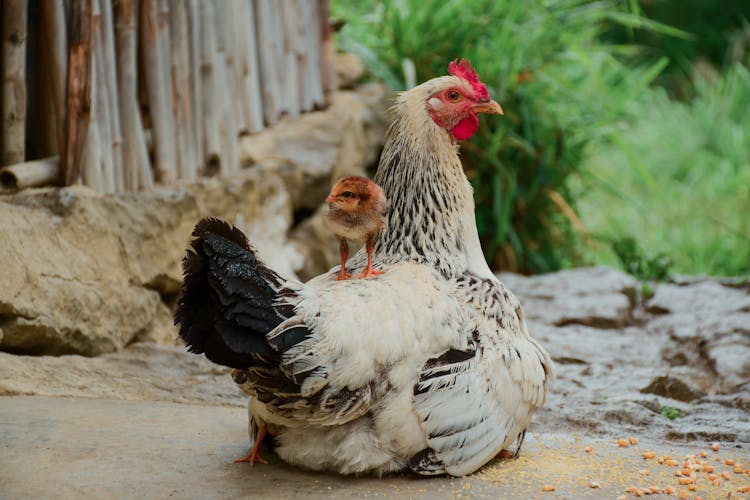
426, 187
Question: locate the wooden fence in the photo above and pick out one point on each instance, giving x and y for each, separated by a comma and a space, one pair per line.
124, 94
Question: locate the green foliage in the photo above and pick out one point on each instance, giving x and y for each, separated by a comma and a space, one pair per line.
561, 88
677, 178
719, 33
642, 267
671, 413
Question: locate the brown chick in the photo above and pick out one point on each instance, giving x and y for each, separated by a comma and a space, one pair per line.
357, 208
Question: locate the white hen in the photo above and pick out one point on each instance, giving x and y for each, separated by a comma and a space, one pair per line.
428, 367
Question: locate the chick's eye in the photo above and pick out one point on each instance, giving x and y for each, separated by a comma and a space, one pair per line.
347, 194
453, 95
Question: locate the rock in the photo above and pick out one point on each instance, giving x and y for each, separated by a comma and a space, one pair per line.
349, 69
89, 274
318, 244
142, 371
599, 297
312, 151
673, 388
708, 323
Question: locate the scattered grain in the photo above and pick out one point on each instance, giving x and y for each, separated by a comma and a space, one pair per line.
622, 443
632, 440
686, 471
708, 468
715, 446
547, 488
726, 475
669, 490
654, 489
670, 463
738, 469
744, 489
683, 494
685, 480
703, 454
729, 461
588, 449
595, 485
649, 454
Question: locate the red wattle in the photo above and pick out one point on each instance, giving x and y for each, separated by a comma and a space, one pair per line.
466, 127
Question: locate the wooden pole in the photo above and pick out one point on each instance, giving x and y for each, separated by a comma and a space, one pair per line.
269, 48
124, 15
327, 49
79, 90
228, 131
314, 40
249, 88
145, 174
56, 41
100, 106
196, 79
211, 101
13, 98
187, 166
30, 174
108, 64
291, 65
158, 87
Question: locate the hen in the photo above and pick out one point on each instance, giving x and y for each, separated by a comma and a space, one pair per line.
429, 367
356, 211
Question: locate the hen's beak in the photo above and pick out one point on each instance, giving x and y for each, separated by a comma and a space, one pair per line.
490, 107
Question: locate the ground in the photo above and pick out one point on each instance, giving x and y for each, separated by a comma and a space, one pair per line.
155, 421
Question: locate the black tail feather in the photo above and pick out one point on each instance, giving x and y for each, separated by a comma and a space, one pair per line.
226, 305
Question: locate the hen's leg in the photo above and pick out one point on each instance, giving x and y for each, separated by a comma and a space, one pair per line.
253, 456
369, 271
344, 249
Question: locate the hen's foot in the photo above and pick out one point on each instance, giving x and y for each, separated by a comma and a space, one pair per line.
253, 456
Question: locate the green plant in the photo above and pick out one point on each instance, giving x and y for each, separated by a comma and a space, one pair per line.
677, 178
642, 267
560, 86
671, 413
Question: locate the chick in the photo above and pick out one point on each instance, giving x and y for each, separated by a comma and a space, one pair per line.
357, 209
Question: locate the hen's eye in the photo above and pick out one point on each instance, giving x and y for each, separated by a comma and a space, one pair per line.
453, 95
347, 194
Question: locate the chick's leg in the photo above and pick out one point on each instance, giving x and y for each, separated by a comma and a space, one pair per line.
344, 249
253, 455
369, 271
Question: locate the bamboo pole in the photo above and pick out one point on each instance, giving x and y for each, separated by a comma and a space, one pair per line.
187, 167
327, 49
249, 88
270, 56
100, 106
108, 64
145, 174
31, 173
211, 99
291, 66
124, 15
314, 40
92, 167
195, 37
13, 98
79, 91
228, 45
158, 88
227, 125
56, 35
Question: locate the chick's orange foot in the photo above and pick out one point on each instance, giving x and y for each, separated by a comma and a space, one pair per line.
343, 276
369, 273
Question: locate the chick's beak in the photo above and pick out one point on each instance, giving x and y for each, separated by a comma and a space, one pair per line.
490, 107
330, 199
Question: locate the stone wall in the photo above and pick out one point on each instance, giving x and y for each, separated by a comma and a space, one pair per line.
89, 274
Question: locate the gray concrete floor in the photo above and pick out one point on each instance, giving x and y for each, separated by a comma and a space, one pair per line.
55, 447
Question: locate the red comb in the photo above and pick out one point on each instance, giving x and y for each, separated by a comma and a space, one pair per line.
463, 69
